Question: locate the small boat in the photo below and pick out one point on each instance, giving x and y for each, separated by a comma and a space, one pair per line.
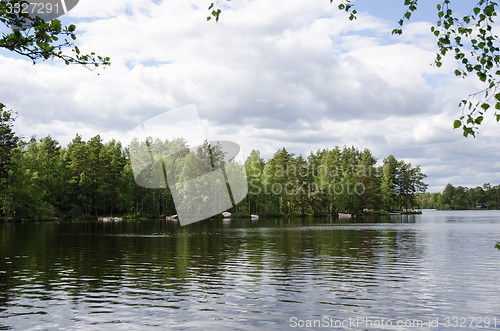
343, 215
254, 217
171, 218
110, 219
226, 214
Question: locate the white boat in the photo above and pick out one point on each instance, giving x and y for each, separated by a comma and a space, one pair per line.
171, 218
109, 219
226, 214
343, 215
254, 217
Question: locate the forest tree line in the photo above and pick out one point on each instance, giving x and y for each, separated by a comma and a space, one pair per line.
486, 196
39, 179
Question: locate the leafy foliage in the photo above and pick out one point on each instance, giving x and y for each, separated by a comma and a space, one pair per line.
8, 145
8, 141
37, 39
347, 6
470, 39
215, 12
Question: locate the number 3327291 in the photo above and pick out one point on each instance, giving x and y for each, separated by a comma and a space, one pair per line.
24, 7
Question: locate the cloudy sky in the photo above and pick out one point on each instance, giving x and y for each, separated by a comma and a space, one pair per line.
270, 74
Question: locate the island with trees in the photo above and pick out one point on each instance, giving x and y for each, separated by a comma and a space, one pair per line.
41, 180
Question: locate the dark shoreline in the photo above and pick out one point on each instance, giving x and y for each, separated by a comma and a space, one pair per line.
125, 218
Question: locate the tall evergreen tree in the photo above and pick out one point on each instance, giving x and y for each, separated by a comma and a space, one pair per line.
254, 169
8, 142
389, 183
368, 181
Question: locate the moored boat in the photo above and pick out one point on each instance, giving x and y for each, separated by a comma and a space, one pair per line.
109, 219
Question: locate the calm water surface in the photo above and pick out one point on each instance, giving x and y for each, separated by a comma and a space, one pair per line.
245, 275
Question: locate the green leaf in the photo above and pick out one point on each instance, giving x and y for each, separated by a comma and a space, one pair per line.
407, 15
479, 120
457, 124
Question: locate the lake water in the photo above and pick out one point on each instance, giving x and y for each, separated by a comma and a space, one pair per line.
438, 270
